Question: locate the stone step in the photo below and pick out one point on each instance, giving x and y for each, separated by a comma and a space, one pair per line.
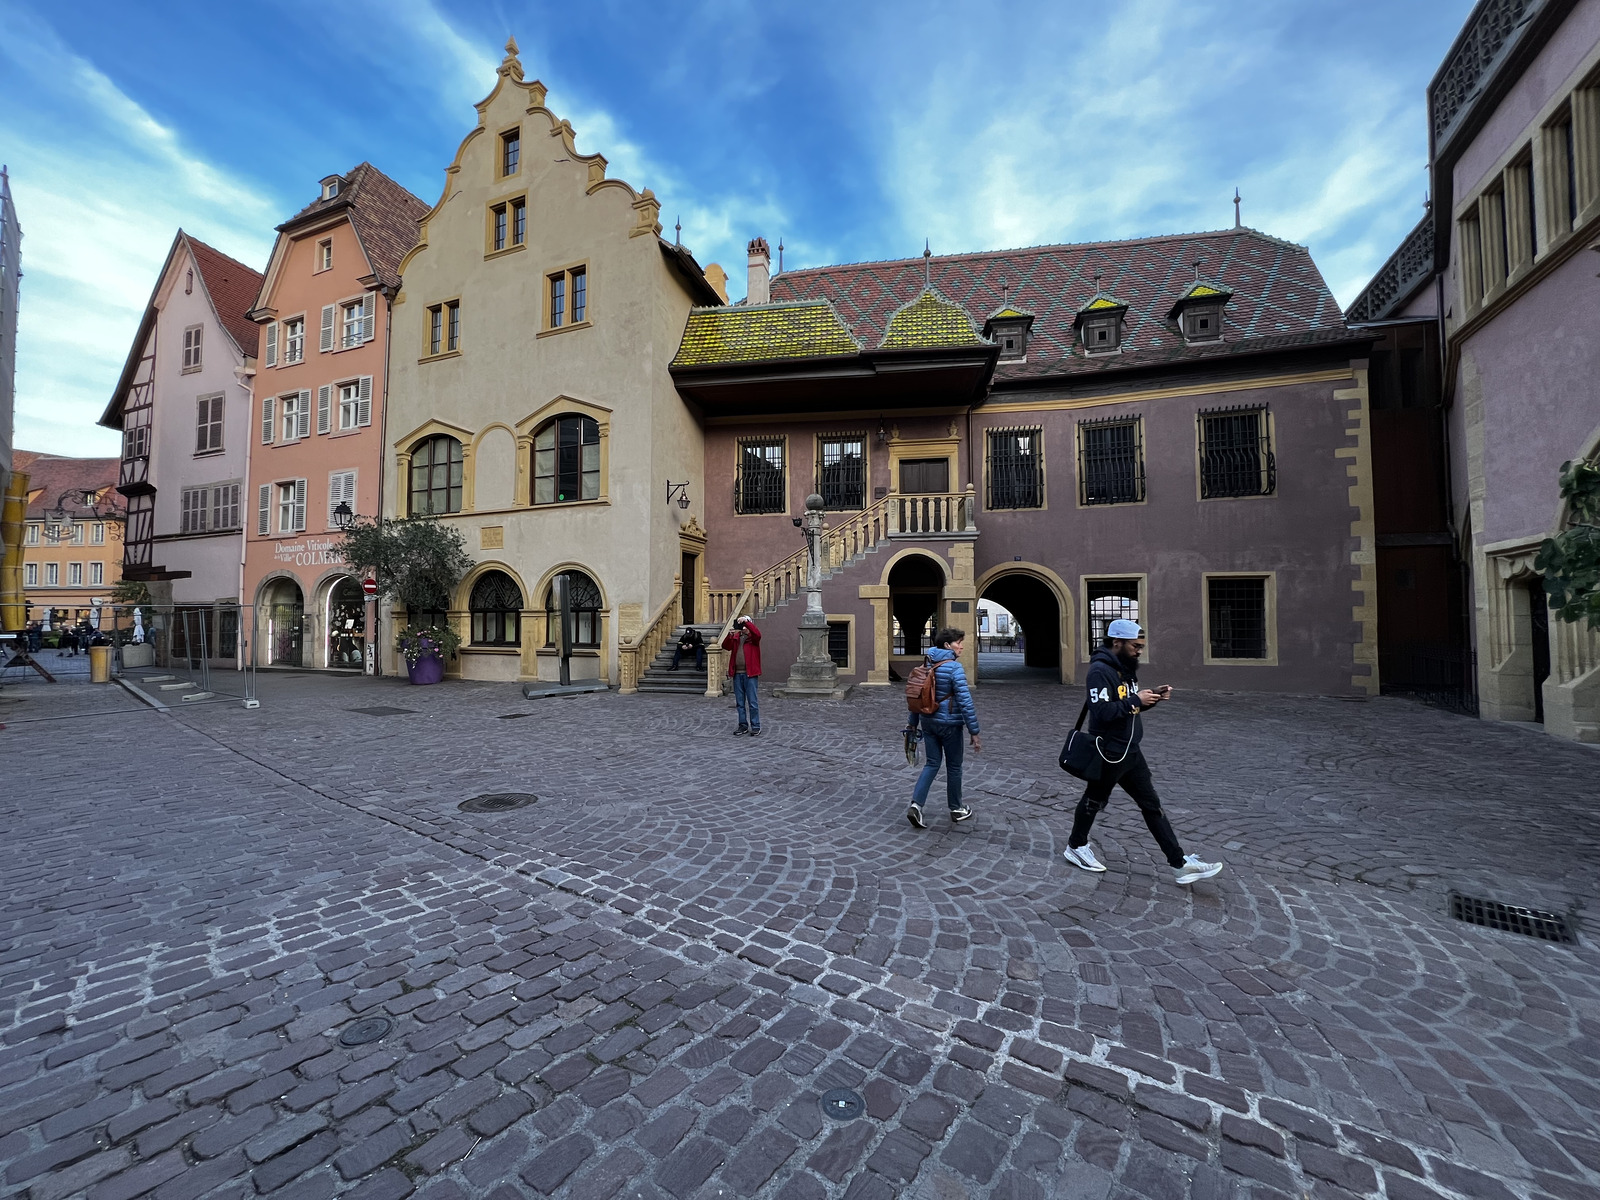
155, 678
176, 687
187, 696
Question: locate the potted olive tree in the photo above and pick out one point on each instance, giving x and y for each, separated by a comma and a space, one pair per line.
417, 562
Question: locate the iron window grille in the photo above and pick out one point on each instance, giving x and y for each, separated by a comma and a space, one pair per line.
1236, 453
1237, 614
1109, 600
1016, 469
496, 608
839, 643
842, 473
566, 461
436, 476
583, 598
1111, 462
758, 486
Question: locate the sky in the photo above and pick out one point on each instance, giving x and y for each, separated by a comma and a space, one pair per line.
851, 131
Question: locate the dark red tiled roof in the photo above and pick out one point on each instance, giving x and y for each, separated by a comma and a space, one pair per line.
1279, 296
233, 287
385, 216
51, 474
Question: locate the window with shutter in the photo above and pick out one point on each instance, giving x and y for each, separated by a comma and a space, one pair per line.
341, 488
326, 344
225, 506
294, 341
299, 505
266, 420
97, 572
369, 316
364, 401
304, 428
208, 427
272, 344
286, 507
264, 513
324, 408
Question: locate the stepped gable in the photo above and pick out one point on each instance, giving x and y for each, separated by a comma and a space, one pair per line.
1279, 298
717, 337
385, 216
233, 288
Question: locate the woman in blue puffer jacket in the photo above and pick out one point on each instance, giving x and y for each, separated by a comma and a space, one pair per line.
941, 729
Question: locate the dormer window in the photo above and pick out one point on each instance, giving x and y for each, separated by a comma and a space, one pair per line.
330, 187
1202, 323
1008, 329
1099, 324
1198, 312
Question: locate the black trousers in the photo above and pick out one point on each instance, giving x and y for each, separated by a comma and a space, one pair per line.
1134, 776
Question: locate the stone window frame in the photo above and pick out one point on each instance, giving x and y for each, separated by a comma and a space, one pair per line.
1270, 616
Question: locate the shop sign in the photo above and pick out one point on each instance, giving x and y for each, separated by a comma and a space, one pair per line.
308, 552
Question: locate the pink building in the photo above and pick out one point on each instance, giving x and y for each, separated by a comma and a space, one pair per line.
317, 418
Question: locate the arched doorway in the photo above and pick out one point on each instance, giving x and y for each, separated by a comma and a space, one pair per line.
285, 607
1036, 607
916, 585
347, 624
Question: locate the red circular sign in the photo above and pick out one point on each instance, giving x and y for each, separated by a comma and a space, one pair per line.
369, 586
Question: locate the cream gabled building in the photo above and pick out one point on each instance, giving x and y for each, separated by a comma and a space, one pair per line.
530, 401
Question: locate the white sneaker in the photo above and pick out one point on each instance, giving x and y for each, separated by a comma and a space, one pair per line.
1083, 856
1194, 868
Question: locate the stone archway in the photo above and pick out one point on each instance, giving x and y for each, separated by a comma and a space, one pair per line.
1042, 606
916, 588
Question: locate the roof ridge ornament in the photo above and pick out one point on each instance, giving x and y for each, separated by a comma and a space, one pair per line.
511, 65
1236, 208
927, 265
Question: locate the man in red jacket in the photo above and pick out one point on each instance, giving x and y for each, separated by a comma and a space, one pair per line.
743, 645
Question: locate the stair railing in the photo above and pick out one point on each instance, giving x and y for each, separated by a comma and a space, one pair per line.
635, 653
716, 656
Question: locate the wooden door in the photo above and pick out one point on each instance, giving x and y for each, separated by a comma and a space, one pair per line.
921, 476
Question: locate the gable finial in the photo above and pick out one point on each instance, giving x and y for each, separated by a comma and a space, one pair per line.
1097, 283
780, 254
927, 265
1197, 263
677, 230
1004, 292
1236, 208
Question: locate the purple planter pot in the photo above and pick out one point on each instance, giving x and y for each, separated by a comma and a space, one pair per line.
427, 669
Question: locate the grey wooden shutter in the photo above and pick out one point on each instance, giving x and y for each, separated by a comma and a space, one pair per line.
299, 505
264, 510
303, 428
364, 401
324, 417
369, 312
327, 328
335, 491
266, 421
272, 344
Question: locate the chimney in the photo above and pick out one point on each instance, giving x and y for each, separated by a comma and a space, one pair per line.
718, 279
759, 290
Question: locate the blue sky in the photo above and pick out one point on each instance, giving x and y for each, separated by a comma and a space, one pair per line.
850, 130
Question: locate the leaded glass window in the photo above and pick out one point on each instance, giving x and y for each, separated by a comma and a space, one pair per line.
566, 460
496, 607
583, 600
436, 476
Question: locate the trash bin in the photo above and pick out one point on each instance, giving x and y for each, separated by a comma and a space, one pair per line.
99, 664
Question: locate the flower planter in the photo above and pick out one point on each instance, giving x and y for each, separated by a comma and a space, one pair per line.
427, 669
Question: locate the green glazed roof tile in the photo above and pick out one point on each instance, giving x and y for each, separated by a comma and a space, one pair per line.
763, 333
930, 321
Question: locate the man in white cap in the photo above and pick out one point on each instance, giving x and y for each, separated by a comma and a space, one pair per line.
1116, 703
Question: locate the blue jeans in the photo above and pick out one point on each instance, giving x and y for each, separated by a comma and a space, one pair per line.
941, 741
699, 657
744, 695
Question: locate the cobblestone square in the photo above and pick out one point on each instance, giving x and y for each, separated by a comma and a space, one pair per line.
641, 985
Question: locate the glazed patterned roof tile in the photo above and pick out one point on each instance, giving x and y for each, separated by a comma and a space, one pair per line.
1277, 292
763, 333
928, 322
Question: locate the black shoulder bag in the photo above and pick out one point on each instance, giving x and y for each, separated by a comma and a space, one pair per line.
1080, 757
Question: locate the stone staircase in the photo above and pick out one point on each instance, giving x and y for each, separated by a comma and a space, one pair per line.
688, 679
800, 597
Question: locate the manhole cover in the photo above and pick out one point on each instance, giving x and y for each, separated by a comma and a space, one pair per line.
496, 802
368, 1029
383, 710
842, 1104
1530, 922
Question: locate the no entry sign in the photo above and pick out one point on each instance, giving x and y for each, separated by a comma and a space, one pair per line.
369, 585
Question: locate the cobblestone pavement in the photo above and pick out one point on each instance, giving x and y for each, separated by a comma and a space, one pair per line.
640, 985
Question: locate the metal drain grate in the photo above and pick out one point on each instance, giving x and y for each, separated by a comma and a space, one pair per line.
1530, 922
383, 710
496, 802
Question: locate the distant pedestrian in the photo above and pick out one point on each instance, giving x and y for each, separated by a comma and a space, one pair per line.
743, 645
1115, 704
690, 642
942, 729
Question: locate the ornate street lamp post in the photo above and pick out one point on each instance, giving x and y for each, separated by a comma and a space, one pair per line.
814, 673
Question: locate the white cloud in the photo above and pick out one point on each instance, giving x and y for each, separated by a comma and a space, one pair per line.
96, 232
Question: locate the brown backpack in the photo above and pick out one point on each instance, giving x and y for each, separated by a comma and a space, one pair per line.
922, 691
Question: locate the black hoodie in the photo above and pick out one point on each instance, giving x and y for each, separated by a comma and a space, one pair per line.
1113, 702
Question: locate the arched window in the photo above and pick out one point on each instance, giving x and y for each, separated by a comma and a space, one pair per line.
496, 606
584, 600
566, 460
436, 476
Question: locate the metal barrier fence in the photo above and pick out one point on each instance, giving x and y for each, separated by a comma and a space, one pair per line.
1441, 676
